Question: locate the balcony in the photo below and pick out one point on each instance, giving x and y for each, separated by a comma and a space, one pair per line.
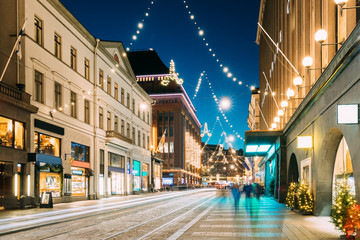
114, 134
14, 93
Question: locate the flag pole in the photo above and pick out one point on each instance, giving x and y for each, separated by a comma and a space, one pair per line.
12, 52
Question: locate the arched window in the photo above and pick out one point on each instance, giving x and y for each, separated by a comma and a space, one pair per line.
116, 57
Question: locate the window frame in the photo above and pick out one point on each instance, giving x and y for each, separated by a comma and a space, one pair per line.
38, 30
73, 58
86, 69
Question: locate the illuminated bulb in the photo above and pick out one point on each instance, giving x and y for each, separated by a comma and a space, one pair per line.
201, 32
276, 119
284, 104
290, 92
229, 75
225, 69
146, 14
320, 36
225, 103
213, 54
234, 79
140, 25
271, 129
281, 112
298, 81
60, 108
252, 88
143, 106
231, 138
192, 17
240, 82
307, 62
112, 70
54, 110
341, 2
134, 37
66, 105
127, 49
273, 125
137, 31
116, 65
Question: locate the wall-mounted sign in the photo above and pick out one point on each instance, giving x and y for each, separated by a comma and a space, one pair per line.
136, 168
304, 142
348, 114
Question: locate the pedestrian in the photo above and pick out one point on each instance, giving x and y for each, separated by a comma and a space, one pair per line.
257, 190
236, 195
248, 190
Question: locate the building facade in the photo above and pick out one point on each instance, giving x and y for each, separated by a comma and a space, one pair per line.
90, 135
317, 135
176, 129
253, 119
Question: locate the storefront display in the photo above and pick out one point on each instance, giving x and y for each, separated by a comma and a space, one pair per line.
45, 144
117, 183
50, 182
78, 182
136, 173
157, 176
145, 177
9, 137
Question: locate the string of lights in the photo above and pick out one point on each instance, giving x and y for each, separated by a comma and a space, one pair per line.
140, 26
199, 83
212, 53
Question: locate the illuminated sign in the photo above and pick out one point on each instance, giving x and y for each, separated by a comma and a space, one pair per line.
304, 142
136, 168
348, 114
257, 148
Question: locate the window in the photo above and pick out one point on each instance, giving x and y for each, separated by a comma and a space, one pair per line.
143, 116
133, 135
160, 116
102, 161
39, 87
116, 91
166, 116
87, 69
80, 152
101, 78
128, 100
160, 131
45, 144
73, 104
38, 31
9, 137
138, 138
143, 140
116, 160
133, 106
122, 96
171, 116
109, 85
171, 134
87, 111
122, 127
58, 96
116, 124
108, 127
101, 117
57, 42
138, 113
148, 117
73, 58
128, 130
148, 142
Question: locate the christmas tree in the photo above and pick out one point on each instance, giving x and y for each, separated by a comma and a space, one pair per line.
344, 202
291, 194
306, 202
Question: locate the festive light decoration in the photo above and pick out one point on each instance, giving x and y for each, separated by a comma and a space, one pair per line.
199, 83
206, 131
305, 200
344, 201
140, 26
173, 76
291, 195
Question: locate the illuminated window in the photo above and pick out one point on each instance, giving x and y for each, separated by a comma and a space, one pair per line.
80, 152
45, 144
8, 137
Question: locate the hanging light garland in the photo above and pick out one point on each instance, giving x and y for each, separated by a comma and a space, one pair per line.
140, 26
212, 53
199, 83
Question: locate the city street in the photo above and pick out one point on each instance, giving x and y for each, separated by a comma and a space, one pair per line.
193, 214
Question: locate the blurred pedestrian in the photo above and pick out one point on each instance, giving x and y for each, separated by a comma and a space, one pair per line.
248, 190
236, 195
257, 190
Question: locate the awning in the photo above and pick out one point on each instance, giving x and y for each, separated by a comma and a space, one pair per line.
258, 143
48, 159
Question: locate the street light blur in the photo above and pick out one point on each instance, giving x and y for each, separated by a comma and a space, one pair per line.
225, 103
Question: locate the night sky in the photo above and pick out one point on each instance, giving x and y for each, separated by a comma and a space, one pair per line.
229, 28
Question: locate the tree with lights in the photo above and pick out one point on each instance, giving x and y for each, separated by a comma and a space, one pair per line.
291, 195
344, 214
305, 200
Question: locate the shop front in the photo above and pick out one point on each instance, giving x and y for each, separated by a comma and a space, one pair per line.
136, 175
145, 177
157, 176
116, 173
80, 170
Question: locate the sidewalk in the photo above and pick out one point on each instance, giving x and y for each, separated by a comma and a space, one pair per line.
264, 219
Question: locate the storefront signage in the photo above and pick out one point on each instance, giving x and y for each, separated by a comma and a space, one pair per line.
136, 168
144, 174
304, 142
348, 114
77, 172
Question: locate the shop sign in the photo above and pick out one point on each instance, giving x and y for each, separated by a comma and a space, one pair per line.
144, 174
128, 168
136, 168
77, 172
348, 114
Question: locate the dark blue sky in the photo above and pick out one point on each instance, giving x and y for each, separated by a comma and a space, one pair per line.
230, 29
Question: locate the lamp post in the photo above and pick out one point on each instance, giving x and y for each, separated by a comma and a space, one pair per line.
341, 4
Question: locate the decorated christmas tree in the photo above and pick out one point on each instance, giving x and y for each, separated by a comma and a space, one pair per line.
342, 207
291, 195
306, 202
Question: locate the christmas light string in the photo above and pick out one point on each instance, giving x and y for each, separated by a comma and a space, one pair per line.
201, 33
140, 26
199, 83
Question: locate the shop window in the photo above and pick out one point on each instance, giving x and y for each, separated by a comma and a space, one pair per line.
80, 152
171, 116
11, 133
78, 182
48, 145
116, 160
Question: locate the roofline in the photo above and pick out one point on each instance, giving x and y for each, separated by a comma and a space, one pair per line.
261, 18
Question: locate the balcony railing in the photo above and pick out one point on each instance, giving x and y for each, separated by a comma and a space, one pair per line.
14, 93
114, 134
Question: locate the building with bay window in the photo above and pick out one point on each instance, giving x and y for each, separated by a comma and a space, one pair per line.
175, 127
93, 119
310, 125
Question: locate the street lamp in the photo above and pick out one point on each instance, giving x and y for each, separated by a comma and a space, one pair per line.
276, 119
320, 36
341, 3
284, 104
298, 81
274, 125
307, 62
290, 93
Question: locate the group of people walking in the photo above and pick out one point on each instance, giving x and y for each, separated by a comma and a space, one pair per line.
249, 189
